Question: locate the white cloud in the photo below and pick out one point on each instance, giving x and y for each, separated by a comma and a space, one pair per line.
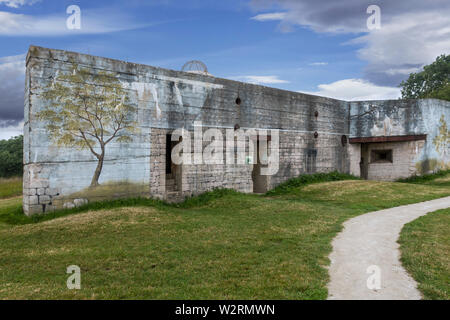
17, 3
356, 90
405, 45
92, 21
315, 64
261, 79
413, 33
269, 16
10, 131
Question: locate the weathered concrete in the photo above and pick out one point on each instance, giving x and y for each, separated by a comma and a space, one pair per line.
311, 133
371, 240
402, 118
166, 100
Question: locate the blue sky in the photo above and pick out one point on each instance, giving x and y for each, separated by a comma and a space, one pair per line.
319, 47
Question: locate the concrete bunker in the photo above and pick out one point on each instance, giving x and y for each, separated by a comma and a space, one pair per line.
314, 134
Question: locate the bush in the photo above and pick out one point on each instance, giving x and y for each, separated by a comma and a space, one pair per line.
432, 82
11, 157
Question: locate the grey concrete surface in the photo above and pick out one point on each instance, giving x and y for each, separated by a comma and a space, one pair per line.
314, 134
371, 240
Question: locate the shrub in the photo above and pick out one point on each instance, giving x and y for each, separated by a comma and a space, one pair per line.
11, 157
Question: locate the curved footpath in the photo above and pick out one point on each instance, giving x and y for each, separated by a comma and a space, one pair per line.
365, 261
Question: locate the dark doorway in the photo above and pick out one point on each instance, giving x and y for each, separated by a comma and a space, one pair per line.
260, 182
168, 154
173, 171
364, 163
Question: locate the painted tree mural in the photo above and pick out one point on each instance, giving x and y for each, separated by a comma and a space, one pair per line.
442, 140
88, 111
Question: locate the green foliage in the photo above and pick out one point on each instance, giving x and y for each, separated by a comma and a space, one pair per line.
426, 178
432, 82
293, 184
442, 93
11, 157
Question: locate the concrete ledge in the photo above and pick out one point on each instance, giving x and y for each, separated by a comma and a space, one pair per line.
388, 139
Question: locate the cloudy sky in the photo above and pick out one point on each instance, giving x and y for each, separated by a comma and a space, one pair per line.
322, 47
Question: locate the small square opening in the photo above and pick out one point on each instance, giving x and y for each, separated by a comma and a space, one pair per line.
381, 156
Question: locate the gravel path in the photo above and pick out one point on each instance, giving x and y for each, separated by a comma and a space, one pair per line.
365, 259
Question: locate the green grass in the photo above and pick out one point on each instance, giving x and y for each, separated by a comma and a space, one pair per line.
220, 245
425, 247
441, 178
292, 185
11, 213
10, 187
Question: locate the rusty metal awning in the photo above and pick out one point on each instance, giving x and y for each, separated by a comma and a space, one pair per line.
388, 139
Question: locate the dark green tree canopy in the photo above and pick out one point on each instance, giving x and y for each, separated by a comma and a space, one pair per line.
432, 82
11, 157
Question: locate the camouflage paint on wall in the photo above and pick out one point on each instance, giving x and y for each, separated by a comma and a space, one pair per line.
407, 117
61, 166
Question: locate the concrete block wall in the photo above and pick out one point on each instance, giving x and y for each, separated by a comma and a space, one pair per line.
403, 118
402, 166
167, 100
58, 177
197, 179
158, 163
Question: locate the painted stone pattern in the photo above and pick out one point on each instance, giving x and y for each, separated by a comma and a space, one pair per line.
60, 171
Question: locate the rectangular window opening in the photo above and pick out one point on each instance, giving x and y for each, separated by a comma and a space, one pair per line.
381, 156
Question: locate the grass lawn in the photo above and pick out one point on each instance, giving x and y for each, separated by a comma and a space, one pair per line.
441, 178
10, 187
425, 247
223, 245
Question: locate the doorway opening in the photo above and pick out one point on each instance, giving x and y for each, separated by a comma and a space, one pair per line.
364, 163
260, 182
173, 171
